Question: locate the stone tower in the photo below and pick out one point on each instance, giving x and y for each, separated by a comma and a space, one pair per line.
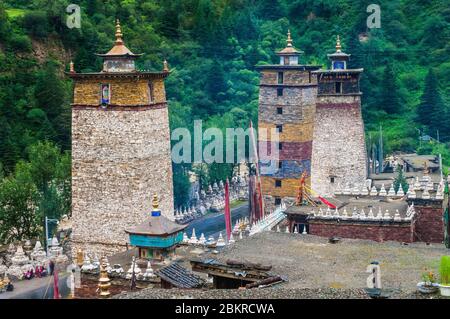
339, 151
287, 97
120, 150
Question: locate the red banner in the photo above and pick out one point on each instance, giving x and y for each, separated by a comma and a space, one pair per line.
227, 210
323, 200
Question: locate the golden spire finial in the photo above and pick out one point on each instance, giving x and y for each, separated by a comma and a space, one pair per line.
104, 281
80, 257
119, 34
72, 67
289, 39
338, 44
155, 202
165, 66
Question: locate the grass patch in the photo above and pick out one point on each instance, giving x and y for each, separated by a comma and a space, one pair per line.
15, 13
237, 203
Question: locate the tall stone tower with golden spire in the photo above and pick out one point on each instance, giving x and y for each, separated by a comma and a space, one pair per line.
120, 149
339, 151
287, 99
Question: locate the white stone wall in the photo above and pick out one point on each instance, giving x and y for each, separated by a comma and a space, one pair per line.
119, 160
338, 144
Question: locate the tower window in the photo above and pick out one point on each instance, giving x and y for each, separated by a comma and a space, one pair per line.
105, 94
279, 128
332, 180
338, 65
280, 92
279, 110
280, 78
338, 87
277, 201
278, 183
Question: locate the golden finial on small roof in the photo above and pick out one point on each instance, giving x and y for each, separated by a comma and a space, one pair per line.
119, 34
72, 67
165, 66
289, 39
338, 44
155, 202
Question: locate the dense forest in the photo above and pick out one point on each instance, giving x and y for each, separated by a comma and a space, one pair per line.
212, 47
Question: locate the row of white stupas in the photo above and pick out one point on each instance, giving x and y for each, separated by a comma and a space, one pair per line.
211, 241
414, 186
139, 274
22, 261
269, 221
212, 199
361, 215
91, 264
241, 228
295, 230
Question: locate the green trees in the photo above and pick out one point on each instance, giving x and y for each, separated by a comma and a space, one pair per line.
390, 101
36, 24
51, 97
212, 47
19, 214
432, 112
400, 181
39, 187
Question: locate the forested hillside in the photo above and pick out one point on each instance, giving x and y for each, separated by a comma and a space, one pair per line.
212, 47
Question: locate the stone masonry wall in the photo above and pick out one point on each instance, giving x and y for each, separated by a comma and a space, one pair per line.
120, 158
338, 143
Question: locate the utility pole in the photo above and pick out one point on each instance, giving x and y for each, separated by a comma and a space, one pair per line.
420, 136
380, 153
440, 167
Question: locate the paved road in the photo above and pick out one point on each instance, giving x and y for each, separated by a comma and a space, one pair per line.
212, 224
37, 288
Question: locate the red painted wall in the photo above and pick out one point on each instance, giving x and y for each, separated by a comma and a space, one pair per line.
429, 224
374, 231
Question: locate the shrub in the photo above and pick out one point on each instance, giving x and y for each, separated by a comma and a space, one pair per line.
19, 43
36, 24
444, 270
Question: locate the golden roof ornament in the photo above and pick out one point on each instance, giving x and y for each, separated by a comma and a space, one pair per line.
289, 39
338, 44
155, 202
119, 34
165, 66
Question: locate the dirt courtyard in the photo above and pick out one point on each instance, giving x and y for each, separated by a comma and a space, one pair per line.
312, 262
